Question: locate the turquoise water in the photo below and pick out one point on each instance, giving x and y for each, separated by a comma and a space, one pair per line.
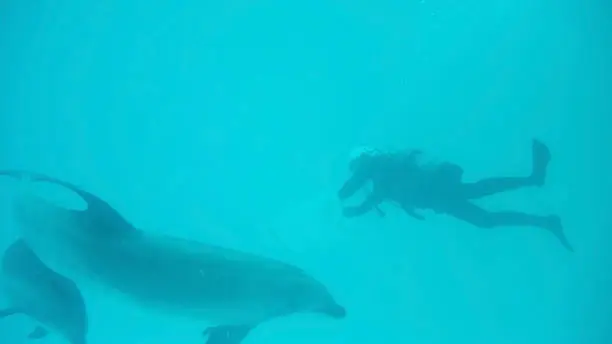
231, 123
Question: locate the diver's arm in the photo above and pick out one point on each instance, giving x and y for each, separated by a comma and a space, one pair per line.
357, 180
411, 212
380, 212
370, 203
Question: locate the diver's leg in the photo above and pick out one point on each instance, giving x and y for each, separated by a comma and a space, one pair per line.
370, 203
482, 218
489, 186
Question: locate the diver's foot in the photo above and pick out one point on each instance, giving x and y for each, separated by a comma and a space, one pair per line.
553, 224
541, 158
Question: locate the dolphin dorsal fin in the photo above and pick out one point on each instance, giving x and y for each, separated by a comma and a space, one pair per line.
97, 209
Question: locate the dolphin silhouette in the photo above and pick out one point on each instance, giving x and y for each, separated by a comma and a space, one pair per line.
233, 290
42, 294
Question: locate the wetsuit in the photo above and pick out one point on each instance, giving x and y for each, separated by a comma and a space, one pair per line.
443, 191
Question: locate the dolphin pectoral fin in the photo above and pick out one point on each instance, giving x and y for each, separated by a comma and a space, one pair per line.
8, 312
38, 333
226, 334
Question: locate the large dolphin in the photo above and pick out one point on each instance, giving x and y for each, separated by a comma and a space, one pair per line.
33, 289
232, 290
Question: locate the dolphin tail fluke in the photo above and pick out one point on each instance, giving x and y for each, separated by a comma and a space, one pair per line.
7, 312
38, 333
227, 334
563, 239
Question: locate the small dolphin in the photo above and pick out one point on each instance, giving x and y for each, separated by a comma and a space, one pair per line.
235, 291
40, 293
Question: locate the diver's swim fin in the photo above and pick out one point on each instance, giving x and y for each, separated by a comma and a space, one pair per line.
226, 334
541, 158
556, 229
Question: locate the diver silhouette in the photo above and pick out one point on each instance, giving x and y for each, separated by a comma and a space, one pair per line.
399, 178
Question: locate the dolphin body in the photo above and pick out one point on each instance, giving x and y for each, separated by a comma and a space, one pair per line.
235, 291
35, 290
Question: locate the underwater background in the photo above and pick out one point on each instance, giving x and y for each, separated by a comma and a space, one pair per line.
231, 123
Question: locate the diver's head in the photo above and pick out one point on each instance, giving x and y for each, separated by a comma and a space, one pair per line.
361, 155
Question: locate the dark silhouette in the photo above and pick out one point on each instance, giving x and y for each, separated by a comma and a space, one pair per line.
399, 178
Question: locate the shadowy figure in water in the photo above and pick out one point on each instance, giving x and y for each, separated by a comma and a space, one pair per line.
399, 178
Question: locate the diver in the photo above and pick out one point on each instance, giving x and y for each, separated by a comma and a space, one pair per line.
399, 177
